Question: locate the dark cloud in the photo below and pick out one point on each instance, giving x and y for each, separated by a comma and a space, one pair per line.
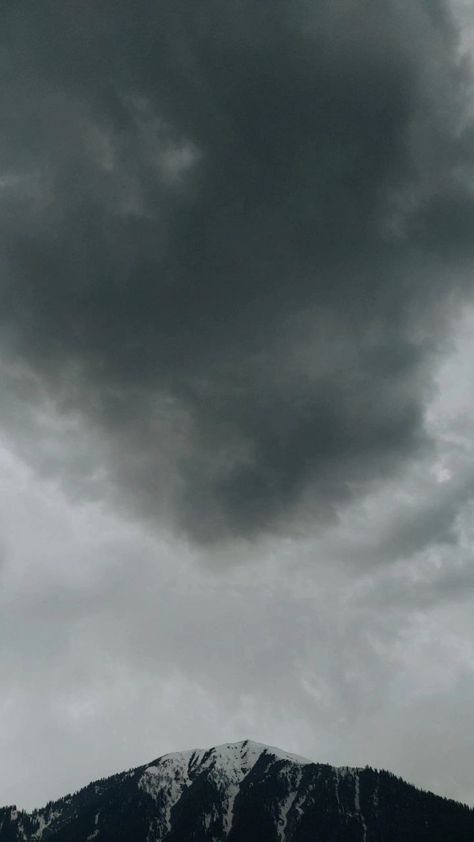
230, 235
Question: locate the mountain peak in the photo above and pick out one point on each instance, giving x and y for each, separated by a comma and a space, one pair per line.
244, 753
225, 766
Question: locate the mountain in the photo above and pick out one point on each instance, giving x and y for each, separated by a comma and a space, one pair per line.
243, 792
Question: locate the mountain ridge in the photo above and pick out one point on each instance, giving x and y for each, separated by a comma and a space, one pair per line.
243, 792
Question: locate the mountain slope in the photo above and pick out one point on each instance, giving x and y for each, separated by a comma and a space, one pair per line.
243, 792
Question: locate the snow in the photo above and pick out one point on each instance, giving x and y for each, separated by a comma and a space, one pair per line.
230, 755
357, 794
168, 780
232, 792
293, 783
44, 822
357, 805
337, 773
227, 765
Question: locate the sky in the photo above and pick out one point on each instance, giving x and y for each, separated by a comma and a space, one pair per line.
237, 391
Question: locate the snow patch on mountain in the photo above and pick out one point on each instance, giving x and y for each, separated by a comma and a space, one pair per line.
292, 780
357, 805
166, 782
230, 756
44, 819
226, 765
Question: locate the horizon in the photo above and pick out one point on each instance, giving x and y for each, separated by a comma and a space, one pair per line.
267, 748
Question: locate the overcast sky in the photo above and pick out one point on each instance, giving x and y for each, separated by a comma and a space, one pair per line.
237, 388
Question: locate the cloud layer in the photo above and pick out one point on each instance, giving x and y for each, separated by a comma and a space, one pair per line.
231, 237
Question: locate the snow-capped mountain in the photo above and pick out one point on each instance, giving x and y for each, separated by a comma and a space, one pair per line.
243, 792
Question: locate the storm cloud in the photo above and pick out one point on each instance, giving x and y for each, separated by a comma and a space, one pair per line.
233, 237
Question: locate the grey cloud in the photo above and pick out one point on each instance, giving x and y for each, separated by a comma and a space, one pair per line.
428, 518
221, 241
116, 646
